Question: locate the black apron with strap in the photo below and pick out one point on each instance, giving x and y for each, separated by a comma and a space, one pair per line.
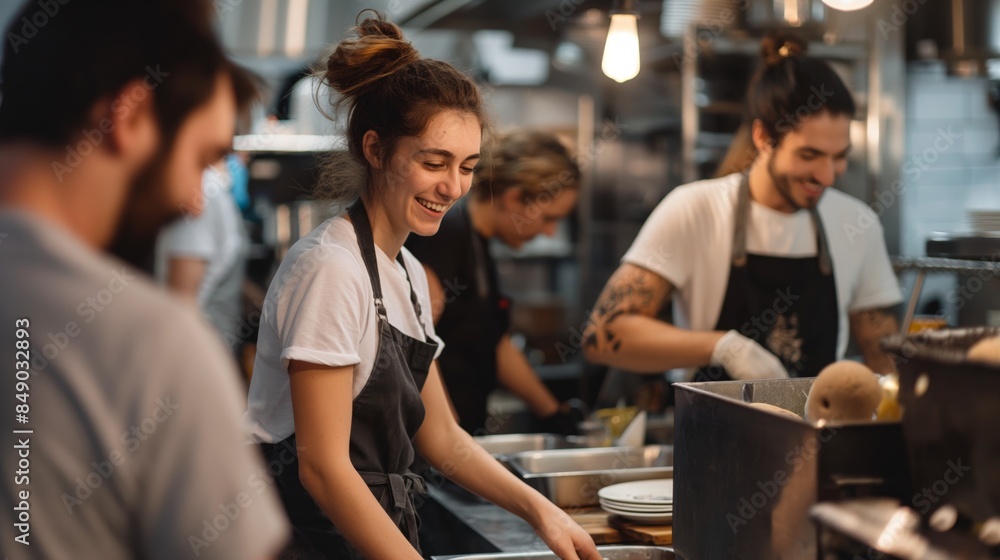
384, 418
472, 325
788, 305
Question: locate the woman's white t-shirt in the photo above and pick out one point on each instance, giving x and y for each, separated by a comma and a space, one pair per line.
688, 240
320, 309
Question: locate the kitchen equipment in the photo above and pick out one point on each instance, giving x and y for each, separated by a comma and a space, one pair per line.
504, 445
977, 294
950, 422
607, 552
572, 477
882, 528
745, 477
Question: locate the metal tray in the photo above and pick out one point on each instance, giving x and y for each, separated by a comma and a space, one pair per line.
502, 445
572, 477
607, 552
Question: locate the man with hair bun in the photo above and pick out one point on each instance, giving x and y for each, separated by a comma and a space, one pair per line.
346, 388
766, 279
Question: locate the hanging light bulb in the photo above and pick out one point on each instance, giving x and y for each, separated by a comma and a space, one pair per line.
621, 51
847, 5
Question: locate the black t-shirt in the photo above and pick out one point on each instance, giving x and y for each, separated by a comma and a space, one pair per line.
475, 315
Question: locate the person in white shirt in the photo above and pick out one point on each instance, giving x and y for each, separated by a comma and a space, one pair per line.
202, 258
770, 271
346, 389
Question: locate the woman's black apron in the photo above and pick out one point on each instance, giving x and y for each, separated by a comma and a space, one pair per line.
385, 417
786, 304
473, 325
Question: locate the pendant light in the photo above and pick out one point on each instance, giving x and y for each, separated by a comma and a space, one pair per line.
847, 5
621, 51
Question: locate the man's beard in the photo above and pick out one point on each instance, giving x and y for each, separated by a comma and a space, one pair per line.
147, 210
784, 187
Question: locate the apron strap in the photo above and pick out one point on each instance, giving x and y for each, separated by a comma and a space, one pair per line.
413, 295
363, 229
740, 231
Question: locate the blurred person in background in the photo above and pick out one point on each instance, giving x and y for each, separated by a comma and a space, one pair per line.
523, 188
111, 112
766, 273
202, 258
346, 390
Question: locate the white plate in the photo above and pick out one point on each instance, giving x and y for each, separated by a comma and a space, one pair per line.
646, 492
638, 508
646, 518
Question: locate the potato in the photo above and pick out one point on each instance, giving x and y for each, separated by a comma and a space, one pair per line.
844, 391
776, 409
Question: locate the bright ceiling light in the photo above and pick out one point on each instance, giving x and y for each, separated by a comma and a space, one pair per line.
847, 5
621, 51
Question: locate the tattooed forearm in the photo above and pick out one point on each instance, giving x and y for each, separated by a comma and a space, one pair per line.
630, 291
868, 328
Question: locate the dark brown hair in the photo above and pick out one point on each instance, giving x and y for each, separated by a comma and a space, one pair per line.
533, 161
386, 87
789, 87
58, 63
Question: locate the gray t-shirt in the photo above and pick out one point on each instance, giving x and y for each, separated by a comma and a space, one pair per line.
136, 449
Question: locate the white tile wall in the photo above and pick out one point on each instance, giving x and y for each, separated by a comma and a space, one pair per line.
958, 177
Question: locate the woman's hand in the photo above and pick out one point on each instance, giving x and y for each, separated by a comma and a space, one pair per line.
566, 539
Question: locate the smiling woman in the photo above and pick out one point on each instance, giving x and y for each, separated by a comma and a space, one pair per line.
345, 375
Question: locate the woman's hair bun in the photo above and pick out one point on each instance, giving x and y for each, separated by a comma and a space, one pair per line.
359, 63
777, 46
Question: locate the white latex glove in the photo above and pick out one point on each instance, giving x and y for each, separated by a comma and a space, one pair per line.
744, 359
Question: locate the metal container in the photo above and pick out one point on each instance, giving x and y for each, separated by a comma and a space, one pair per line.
607, 552
745, 478
572, 477
950, 419
502, 445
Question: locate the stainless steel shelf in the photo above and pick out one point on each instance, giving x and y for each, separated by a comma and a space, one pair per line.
934, 264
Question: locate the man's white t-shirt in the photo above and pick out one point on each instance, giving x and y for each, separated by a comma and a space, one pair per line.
688, 240
320, 309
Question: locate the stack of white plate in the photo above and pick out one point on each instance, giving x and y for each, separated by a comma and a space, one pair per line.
985, 221
644, 501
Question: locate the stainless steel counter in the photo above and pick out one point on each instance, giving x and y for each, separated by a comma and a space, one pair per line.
504, 530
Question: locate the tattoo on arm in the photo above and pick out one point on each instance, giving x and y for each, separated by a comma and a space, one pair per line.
630, 291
